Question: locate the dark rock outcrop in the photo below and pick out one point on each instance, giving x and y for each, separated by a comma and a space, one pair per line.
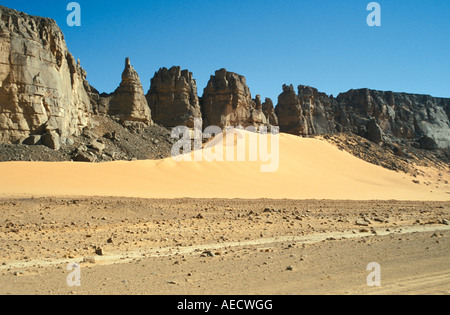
290, 113
399, 115
318, 110
128, 101
227, 102
428, 143
307, 113
376, 115
374, 132
173, 98
269, 111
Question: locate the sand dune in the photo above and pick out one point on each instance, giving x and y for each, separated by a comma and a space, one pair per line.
308, 169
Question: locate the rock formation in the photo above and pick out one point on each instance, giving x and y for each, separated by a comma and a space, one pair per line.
376, 115
400, 116
128, 101
45, 99
42, 88
308, 113
227, 102
290, 113
173, 98
257, 117
318, 110
269, 111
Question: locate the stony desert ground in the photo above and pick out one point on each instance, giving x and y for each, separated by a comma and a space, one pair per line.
223, 246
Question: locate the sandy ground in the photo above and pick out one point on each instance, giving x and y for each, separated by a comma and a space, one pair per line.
304, 169
222, 246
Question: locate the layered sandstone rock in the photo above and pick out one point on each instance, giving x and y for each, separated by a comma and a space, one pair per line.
317, 109
307, 113
290, 113
42, 88
257, 117
398, 115
376, 115
173, 98
128, 102
227, 102
269, 112
45, 98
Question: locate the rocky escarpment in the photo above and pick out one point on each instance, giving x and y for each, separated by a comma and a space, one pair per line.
46, 99
400, 116
227, 102
420, 120
42, 88
173, 98
128, 102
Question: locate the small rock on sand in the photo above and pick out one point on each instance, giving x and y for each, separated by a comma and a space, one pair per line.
361, 223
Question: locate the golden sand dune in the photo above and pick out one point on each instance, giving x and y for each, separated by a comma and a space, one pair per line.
307, 169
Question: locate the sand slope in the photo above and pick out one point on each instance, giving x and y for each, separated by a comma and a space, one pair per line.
308, 169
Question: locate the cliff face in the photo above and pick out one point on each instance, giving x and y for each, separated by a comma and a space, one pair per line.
318, 110
398, 115
290, 113
227, 102
375, 115
42, 88
173, 98
45, 98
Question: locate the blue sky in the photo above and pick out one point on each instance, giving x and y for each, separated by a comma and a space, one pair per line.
325, 44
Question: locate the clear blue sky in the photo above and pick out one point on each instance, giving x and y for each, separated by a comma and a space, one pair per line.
323, 43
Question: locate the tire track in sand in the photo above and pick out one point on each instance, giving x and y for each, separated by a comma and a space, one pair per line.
125, 257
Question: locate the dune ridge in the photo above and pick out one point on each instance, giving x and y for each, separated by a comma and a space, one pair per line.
308, 169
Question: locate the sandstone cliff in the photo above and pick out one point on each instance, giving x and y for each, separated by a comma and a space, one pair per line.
290, 113
399, 115
318, 110
45, 99
42, 87
378, 116
227, 102
173, 98
128, 102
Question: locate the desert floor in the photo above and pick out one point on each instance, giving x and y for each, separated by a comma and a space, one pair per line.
220, 246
